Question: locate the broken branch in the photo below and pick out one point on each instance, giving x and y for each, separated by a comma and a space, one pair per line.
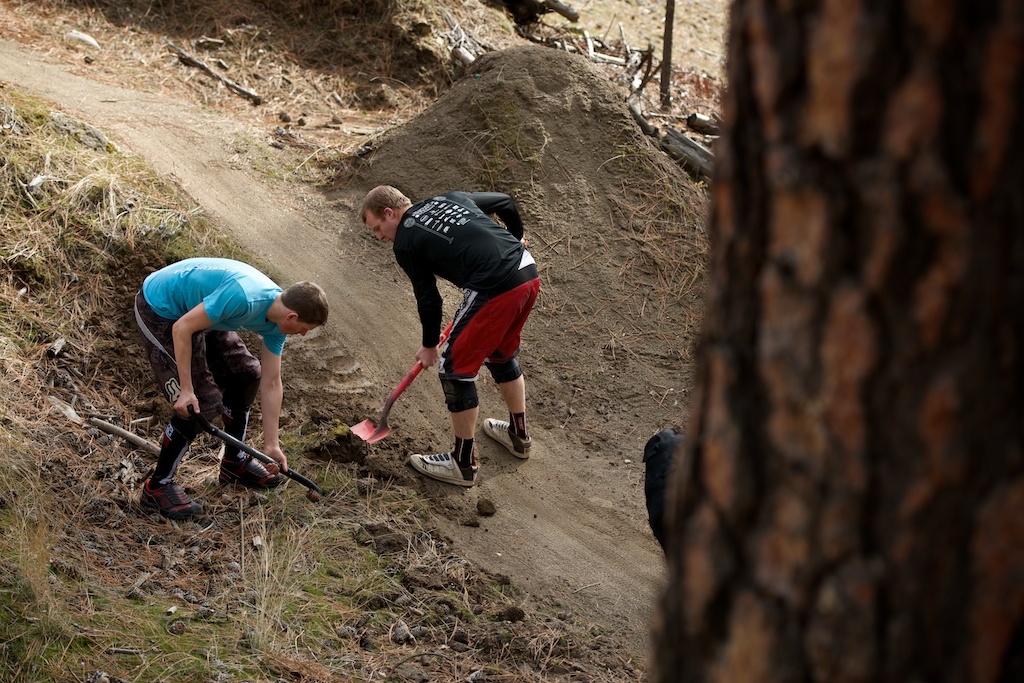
189, 60
126, 435
563, 9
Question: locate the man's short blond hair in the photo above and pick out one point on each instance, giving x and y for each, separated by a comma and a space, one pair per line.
308, 300
380, 198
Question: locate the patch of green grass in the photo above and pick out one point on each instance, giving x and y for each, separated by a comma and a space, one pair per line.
513, 145
314, 437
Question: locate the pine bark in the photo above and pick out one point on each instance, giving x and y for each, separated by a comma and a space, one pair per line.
850, 503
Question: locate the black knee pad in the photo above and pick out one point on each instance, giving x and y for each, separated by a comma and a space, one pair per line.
241, 391
459, 396
184, 426
505, 372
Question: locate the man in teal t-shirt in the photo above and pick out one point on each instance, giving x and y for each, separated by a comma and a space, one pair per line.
189, 314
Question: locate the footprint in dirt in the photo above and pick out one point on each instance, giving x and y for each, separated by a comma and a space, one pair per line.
319, 371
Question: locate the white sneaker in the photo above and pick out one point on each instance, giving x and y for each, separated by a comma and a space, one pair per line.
442, 467
499, 431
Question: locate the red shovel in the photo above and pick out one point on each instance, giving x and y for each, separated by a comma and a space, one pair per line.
372, 432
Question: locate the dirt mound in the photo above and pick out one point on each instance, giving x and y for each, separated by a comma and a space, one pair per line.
528, 118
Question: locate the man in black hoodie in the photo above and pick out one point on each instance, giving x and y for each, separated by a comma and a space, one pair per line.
659, 458
453, 237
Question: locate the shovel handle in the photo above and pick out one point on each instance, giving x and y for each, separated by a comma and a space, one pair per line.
413, 373
245, 448
403, 385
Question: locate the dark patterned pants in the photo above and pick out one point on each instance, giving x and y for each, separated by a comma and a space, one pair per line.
224, 372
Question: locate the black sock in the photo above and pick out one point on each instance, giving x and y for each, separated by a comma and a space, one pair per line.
236, 421
176, 440
463, 453
518, 423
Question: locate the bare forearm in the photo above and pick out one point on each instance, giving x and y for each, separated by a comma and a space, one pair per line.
183, 356
271, 395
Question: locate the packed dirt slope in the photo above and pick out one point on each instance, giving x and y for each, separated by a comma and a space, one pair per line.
613, 226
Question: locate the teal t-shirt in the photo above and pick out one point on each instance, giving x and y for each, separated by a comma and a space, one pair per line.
237, 296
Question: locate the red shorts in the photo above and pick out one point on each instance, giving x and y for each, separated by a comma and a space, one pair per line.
487, 329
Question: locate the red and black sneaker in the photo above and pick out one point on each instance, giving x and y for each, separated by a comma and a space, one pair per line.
248, 472
170, 500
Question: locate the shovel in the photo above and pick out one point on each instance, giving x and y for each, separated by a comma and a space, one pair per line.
314, 492
372, 432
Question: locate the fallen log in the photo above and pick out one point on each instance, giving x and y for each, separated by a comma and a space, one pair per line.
645, 125
692, 156
563, 9
188, 60
705, 125
528, 11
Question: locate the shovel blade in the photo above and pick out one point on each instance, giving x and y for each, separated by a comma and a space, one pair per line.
368, 431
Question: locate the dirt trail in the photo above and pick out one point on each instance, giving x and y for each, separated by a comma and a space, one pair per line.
567, 530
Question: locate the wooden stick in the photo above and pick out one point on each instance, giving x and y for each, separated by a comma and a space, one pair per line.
189, 60
126, 435
690, 155
563, 9
644, 124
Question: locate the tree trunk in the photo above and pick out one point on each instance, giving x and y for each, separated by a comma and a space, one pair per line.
666, 55
849, 506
